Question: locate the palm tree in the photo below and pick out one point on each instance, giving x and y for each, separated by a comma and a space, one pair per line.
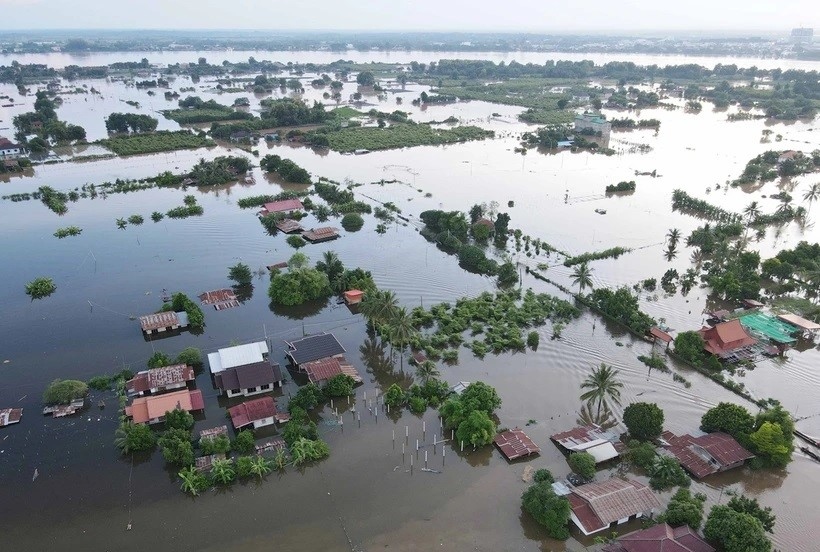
426, 371
191, 480
582, 275
665, 468
332, 266
602, 384
670, 252
751, 211
697, 257
401, 330
673, 236
379, 307
812, 195
121, 440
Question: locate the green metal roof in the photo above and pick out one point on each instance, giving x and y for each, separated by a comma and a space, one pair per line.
769, 326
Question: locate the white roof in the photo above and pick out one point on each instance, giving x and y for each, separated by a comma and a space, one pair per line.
603, 452
231, 357
459, 387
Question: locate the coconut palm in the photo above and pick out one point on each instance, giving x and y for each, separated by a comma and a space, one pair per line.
379, 307
697, 257
812, 195
260, 466
673, 236
401, 330
582, 275
332, 266
665, 468
751, 211
426, 371
192, 480
603, 385
670, 252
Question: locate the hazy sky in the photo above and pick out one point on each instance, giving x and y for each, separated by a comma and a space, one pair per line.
510, 15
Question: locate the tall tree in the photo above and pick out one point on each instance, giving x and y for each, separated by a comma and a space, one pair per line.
812, 195
673, 236
582, 276
427, 371
401, 330
602, 385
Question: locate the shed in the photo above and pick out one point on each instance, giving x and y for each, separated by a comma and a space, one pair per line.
10, 416
163, 321
313, 347
599, 505
221, 299
514, 444
803, 324
353, 296
592, 439
318, 235
459, 388
212, 432
660, 335
289, 226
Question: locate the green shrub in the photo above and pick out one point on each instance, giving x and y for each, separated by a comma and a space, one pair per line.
244, 442
548, 509
100, 383
417, 405
215, 445
296, 241
190, 356
176, 447
582, 463
64, 391
533, 339
40, 288
340, 385
395, 396
643, 420
642, 454
666, 473
130, 438
179, 419
543, 475
352, 222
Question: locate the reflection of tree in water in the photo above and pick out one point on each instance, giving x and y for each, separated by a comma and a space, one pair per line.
380, 366
299, 312
589, 416
243, 293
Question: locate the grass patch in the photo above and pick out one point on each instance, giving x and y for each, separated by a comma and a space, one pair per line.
138, 144
348, 140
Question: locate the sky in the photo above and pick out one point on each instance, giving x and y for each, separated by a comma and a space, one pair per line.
565, 16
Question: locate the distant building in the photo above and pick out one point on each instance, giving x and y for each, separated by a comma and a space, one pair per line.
9, 150
594, 122
802, 35
607, 504
660, 538
231, 357
514, 444
10, 416
163, 321
282, 206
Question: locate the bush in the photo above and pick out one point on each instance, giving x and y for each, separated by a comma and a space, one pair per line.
667, 473
684, 509
548, 509
222, 471
507, 275
340, 385
40, 288
689, 346
176, 447
642, 454
100, 383
752, 507
582, 463
190, 356
533, 339
643, 420
473, 259
296, 242
352, 222
395, 396
179, 419
543, 475
735, 531
131, 437
244, 466
158, 360
298, 286
417, 405
244, 442
306, 450
480, 396
215, 445
307, 398
241, 274
64, 391
477, 429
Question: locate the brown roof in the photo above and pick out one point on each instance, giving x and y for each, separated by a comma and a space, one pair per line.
322, 369
799, 321
321, 234
251, 411
289, 225
160, 377
485, 222
610, 501
204, 463
514, 443
143, 409
660, 538
10, 416
726, 337
212, 432
284, 206
658, 333
159, 320
248, 376
277, 266
217, 296
725, 450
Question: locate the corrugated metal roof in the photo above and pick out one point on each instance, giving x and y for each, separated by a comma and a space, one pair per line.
314, 347
660, 538
251, 411
284, 206
10, 416
159, 320
246, 376
514, 443
212, 432
722, 447
616, 499
143, 409
231, 357
217, 296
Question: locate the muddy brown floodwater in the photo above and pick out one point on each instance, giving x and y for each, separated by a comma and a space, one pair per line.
365, 496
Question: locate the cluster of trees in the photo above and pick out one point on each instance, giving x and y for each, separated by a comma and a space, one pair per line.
622, 186
681, 201
767, 166
43, 122
410, 134
622, 306
584, 258
299, 284
469, 414
133, 122
342, 279
194, 109
418, 397
628, 123
220, 170
740, 525
286, 169
181, 302
165, 140
769, 434
547, 508
292, 112
797, 268
64, 391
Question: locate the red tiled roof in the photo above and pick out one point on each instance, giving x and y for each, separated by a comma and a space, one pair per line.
658, 333
514, 443
144, 409
158, 320
580, 434
284, 206
660, 538
322, 369
726, 337
251, 411
721, 446
612, 500
217, 296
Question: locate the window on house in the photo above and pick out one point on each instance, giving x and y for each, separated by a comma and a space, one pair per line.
266, 386
236, 391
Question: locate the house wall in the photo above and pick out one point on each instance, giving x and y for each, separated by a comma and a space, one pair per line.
263, 422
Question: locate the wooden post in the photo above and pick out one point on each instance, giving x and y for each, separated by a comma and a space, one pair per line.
443, 454
359, 418
452, 434
388, 409
406, 432
348, 400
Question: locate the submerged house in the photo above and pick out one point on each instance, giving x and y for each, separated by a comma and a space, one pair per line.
607, 504
726, 339
283, 206
152, 409
314, 347
706, 453
257, 413
318, 235
160, 380
10, 416
514, 444
592, 439
163, 322
249, 379
660, 538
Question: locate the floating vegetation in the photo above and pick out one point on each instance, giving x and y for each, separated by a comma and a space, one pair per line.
185, 211
68, 231
156, 216
40, 288
136, 220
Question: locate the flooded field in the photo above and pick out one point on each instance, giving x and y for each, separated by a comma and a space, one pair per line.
364, 497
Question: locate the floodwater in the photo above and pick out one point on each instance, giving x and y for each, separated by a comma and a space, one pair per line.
365, 496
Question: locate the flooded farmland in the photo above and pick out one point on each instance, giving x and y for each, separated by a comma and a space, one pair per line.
364, 497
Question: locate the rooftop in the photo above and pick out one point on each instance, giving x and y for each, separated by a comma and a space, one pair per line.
514, 443
320, 234
799, 321
284, 206
10, 416
660, 538
725, 337
248, 376
325, 368
289, 225
159, 320
143, 409
725, 450
314, 347
767, 326
231, 357
598, 504
160, 377
591, 439
251, 411
212, 432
